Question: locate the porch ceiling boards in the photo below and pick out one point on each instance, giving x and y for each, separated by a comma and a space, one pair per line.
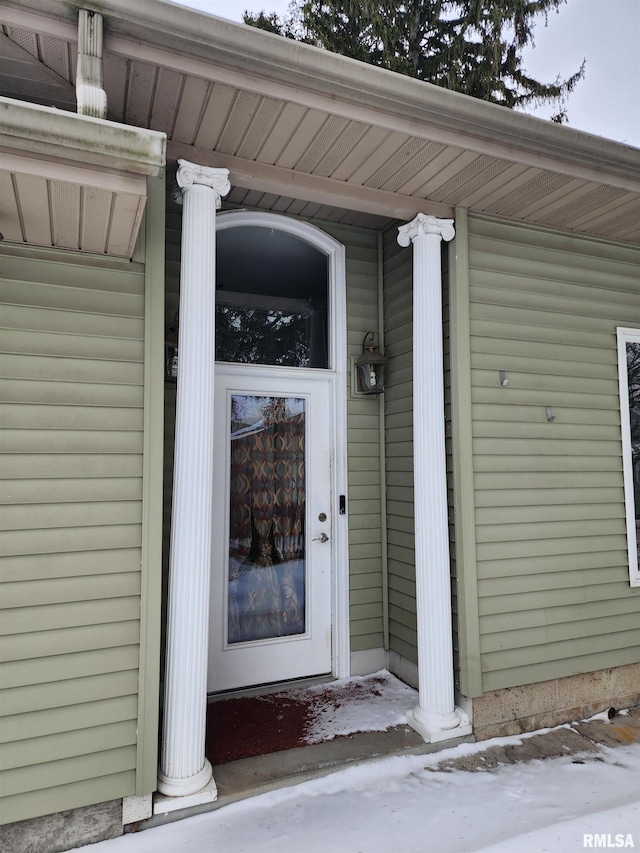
74, 182
307, 132
62, 206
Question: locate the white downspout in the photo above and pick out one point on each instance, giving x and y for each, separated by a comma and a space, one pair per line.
90, 94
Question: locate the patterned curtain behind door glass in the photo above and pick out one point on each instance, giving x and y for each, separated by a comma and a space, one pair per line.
267, 512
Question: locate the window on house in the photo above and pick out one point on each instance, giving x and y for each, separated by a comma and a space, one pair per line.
629, 377
271, 298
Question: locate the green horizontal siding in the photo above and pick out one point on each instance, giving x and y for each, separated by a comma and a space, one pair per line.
467, 674
366, 603
95, 674
72, 367
107, 786
552, 576
54, 774
64, 745
398, 314
449, 407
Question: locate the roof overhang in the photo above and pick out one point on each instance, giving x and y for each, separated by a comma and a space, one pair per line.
71, 181
309, 132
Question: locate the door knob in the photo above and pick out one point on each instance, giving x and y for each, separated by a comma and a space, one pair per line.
321, 538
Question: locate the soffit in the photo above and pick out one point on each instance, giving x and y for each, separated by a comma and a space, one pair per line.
61, 206
342, 160
73, 182
40, 82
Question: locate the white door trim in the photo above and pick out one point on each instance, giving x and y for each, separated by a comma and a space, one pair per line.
335, 252
236, 665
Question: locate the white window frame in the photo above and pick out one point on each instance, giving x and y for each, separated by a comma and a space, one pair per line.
626, 336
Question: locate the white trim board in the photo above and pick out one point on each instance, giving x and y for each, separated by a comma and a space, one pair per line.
626, 336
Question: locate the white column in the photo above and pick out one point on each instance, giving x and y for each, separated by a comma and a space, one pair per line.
435, 717
184, 770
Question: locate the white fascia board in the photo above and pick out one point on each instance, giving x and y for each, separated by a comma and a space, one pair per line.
34, 130
70, 173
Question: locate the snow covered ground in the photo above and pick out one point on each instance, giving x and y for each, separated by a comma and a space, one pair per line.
403, 805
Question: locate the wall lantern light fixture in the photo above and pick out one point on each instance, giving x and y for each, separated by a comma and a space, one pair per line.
171, 351
370, 367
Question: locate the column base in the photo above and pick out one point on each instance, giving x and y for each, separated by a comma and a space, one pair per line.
434, 727
196, 789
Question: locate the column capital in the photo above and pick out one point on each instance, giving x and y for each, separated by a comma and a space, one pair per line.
424, 224
190, 174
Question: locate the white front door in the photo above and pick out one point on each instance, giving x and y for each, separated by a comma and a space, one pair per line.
270, 609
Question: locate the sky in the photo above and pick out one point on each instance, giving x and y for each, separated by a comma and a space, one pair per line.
604, 32
405, 804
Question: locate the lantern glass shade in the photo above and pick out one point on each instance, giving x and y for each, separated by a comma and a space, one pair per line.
171, 351
370, 370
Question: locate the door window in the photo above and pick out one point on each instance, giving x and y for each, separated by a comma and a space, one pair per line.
266, 586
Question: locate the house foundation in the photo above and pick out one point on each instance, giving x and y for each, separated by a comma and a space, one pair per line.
550, 703
55, 833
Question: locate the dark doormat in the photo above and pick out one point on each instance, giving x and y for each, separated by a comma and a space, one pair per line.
246, 726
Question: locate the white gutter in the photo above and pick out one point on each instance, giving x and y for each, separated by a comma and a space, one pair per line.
90, 94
